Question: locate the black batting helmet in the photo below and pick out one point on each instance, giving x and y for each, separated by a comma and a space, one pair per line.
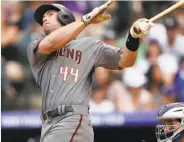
64, 15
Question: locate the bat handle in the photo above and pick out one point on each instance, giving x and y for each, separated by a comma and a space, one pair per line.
136, 30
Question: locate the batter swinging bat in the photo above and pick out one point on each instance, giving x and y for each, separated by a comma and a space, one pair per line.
163, 13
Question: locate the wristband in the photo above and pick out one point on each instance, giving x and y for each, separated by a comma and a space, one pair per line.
132, 43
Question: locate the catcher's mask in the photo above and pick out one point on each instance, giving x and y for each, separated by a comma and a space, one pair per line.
172, 115
163, 134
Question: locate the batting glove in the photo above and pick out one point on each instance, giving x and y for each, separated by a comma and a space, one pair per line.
96, 16
143, 26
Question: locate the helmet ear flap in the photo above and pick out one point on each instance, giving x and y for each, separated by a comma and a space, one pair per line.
63, 18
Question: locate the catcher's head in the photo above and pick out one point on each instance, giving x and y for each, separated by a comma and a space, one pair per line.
172, 117
53, 16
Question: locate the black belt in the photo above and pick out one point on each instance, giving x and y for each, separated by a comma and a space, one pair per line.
61, 110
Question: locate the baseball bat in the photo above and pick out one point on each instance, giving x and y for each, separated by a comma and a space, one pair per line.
163, 13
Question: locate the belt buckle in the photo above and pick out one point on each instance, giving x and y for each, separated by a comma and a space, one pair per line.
46, 114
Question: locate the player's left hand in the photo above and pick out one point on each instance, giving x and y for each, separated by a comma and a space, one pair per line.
143, 25
97, 15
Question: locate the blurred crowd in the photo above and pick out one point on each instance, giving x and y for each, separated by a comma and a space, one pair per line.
157, 77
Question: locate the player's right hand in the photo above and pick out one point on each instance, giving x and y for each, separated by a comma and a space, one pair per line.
143, 25
96, 16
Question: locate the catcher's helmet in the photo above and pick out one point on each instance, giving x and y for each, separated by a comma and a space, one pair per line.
173, 112
64, 15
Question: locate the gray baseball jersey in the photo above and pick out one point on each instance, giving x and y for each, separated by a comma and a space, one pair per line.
65, 76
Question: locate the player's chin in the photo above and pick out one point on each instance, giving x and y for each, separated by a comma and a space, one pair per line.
46, 30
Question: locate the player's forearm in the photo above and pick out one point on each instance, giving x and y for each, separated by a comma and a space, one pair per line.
129, 53
62, 36
127, 58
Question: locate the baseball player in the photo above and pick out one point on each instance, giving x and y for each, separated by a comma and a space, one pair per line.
172, 117
63, 66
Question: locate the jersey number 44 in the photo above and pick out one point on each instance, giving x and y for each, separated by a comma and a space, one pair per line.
65, 71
